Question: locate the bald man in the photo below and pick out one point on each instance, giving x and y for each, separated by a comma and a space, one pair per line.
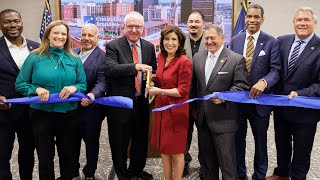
90, 114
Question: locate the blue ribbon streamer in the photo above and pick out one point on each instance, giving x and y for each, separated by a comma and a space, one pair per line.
116, 101
263, 99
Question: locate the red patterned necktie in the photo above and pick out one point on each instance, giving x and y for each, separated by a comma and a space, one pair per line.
135, 57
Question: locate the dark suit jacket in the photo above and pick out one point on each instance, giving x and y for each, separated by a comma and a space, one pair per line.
304, 77
94, 69
229, 74
120, 69
265, 67
8, 74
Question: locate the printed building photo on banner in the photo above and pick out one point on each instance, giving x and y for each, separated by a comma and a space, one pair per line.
108, 15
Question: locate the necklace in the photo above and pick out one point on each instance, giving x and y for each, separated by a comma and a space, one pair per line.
56, 64
168, 59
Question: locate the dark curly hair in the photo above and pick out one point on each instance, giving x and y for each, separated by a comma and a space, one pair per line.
181, 37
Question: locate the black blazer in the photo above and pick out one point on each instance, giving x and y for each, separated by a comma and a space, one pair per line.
9, 70
120, 69
94, 69
8, 74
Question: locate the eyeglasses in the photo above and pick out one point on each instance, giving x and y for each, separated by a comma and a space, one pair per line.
130, 27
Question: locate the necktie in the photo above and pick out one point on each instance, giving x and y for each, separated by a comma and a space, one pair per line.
209, 67
135, 57
294, 55
249, 53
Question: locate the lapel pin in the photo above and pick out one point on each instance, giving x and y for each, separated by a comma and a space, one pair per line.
222, 60
312, 48
31, 47
261, 44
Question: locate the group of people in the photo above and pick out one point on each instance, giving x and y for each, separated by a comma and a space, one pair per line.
188, 66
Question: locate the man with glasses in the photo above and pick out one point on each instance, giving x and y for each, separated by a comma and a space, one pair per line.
128, 59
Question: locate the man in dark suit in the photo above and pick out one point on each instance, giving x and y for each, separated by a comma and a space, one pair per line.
300, 60
128, 57
263, 66
217, 69
14, 49
91, 115
194, 43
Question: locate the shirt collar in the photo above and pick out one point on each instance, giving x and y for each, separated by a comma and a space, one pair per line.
306, 40
255, 35
9, 44
87, 52
138, 43
216, 54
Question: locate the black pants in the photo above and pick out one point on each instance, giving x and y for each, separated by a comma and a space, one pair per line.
125, 125
90, 118
16, 120
294, 135
50, 129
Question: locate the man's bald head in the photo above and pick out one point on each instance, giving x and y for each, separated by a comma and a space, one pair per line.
89, 36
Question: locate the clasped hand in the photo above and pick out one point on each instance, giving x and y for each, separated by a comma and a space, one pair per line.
64, 93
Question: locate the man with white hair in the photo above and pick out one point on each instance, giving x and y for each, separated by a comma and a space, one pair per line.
128, 57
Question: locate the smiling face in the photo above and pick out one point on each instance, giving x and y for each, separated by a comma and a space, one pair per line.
11, 25
58, 36
171, 43
253, 20
133, 28
195, 24
213, 40
89, 37
304, 24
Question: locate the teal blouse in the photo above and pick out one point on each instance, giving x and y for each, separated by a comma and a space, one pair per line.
52, 73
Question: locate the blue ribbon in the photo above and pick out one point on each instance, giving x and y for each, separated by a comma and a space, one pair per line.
263, 99
116, 101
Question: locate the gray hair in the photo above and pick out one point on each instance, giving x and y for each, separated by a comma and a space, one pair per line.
305, 9
134, 14
215, 27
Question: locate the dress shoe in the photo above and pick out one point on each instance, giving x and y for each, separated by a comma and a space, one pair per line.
186, 170
201, 174
144, 175
89, 178
275, 177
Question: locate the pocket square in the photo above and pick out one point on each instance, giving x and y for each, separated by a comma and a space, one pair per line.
262, 53
223, 72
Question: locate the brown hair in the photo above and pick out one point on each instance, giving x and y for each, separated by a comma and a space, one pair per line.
44, 46
181, 37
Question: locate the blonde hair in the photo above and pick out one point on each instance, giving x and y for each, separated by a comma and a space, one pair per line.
44, 46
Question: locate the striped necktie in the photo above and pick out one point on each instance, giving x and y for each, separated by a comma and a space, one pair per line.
135, 57
295, 54
249, 53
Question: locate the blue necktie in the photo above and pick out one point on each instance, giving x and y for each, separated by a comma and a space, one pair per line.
209, 67
294, 55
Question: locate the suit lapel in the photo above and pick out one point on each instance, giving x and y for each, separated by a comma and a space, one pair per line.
310, 47
126, 49
287, 45
202, 63
242, 39
260, 43
91, 57
143, 52
202, 44
6, 53
30, 47
187, 47
222, 59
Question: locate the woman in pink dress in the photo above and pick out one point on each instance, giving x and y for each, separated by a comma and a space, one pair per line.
173, 78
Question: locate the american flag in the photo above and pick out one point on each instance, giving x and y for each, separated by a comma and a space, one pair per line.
46, 18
